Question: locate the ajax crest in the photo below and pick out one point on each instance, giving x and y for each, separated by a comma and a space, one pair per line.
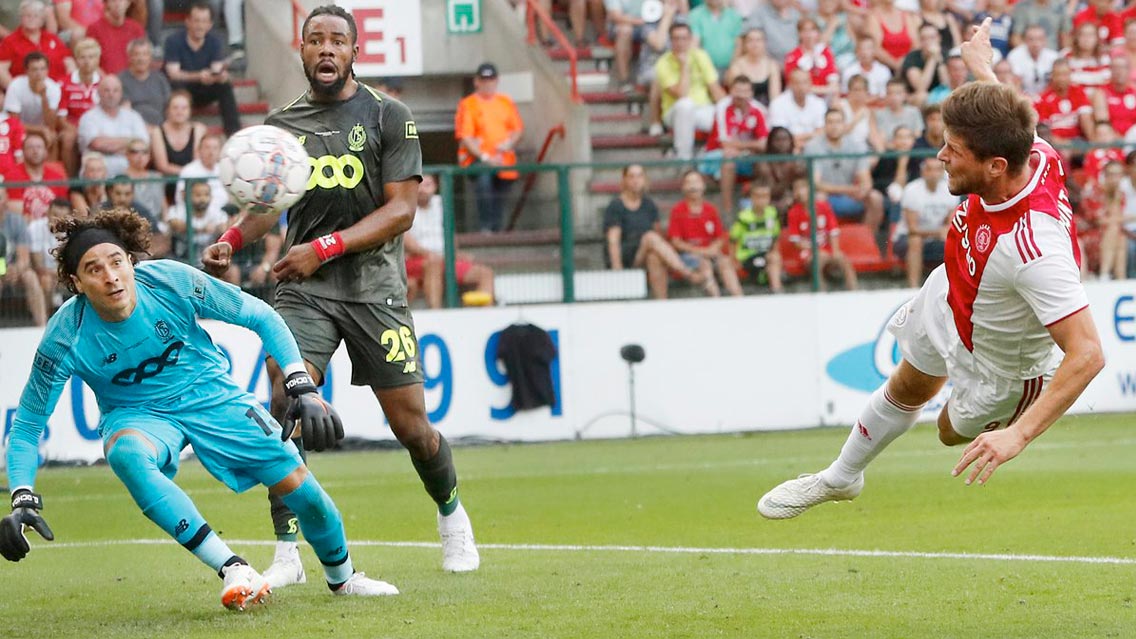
982, 238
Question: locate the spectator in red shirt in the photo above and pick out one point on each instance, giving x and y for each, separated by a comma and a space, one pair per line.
739, 131
114, 31
1096, 159
80, 94
76, 16
1109, 23
1116, 102
696, 232
1064, 107
34, 201
813, 56
828, 246
1088, 58
31, 36
11, 140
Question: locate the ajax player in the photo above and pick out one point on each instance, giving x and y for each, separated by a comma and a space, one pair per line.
132, 334
988, 318
343, 278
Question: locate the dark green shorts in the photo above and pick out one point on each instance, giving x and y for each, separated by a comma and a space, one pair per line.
380, 339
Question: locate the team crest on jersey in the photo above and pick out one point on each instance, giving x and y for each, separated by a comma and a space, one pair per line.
357, 138
302, 139
411, 130
982, 238
163, 331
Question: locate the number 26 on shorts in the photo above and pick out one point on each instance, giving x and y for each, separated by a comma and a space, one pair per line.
401, 347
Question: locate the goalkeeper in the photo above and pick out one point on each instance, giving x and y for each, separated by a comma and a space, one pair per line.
132, 334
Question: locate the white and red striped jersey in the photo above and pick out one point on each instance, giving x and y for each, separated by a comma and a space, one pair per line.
732, 123
1013, 271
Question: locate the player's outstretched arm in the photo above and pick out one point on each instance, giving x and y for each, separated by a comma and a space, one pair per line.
217, 256
1076, 335
978, 54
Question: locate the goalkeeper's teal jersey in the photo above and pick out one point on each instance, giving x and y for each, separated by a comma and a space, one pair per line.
160, 356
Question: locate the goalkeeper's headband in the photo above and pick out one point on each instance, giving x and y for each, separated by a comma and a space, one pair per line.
82, 241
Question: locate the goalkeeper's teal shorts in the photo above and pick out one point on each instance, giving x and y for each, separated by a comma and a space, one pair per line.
235, 439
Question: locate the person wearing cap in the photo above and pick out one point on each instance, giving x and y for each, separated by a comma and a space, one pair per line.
488, 128
132, 333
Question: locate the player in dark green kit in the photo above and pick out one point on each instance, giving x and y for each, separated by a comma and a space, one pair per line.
343, 277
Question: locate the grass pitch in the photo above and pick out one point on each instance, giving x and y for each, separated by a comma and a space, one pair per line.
655, 537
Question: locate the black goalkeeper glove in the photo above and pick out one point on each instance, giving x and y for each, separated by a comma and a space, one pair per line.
25, 512
320, 426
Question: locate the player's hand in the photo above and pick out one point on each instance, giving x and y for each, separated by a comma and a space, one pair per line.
216, 258
25, 512
978, 53
298, 264
320, 426
989, 451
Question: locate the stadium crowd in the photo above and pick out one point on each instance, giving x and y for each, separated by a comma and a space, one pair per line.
90, 93
733, 80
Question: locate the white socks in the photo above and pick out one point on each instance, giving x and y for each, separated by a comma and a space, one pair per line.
882, 421
286, 550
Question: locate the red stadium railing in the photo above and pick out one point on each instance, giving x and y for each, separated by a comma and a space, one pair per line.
534, 11
557, 131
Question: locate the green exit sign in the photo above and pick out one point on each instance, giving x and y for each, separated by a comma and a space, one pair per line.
463, 16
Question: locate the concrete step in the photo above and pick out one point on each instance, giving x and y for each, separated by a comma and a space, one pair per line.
632, 141
626, 155
616, 124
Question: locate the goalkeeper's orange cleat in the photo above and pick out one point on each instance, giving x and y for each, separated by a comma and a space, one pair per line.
243, 587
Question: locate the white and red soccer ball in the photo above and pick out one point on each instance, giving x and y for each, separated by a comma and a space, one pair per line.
264, 168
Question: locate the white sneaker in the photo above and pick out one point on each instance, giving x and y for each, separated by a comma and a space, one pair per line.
362, 586
243, 587
655, 130
286, 569
459, 552
795, 496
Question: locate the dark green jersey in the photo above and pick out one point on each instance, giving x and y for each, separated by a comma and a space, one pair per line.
356, 146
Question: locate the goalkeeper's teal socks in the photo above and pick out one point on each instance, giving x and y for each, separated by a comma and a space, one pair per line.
135, 461
322, 527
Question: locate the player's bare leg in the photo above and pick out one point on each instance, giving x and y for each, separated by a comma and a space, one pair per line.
405, 408
892, 410
947, 434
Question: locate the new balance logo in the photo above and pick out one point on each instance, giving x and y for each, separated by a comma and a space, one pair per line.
110, 359
863, 431
181, 527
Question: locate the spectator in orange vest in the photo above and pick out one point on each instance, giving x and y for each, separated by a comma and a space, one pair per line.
488, 128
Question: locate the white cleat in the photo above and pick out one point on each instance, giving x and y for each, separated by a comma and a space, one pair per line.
795, 496
243, 587
360, 585
286, 570
459, 552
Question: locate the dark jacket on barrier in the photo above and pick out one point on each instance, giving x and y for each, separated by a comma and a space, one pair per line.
527, 352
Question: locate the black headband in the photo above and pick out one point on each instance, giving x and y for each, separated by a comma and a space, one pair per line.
82, 241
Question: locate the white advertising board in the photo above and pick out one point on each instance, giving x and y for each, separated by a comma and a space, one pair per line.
755, 363
390, 37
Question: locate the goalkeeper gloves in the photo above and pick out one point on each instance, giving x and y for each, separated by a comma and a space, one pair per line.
25, 512
320, 426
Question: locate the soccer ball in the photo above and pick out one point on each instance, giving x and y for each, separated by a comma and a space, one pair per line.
264, 168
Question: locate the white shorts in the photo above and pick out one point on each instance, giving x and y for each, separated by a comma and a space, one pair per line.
925, 332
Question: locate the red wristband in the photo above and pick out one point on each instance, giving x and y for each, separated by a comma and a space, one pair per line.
233, 237
328, 246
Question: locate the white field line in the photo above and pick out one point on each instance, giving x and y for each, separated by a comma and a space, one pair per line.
637, 469
676, 550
